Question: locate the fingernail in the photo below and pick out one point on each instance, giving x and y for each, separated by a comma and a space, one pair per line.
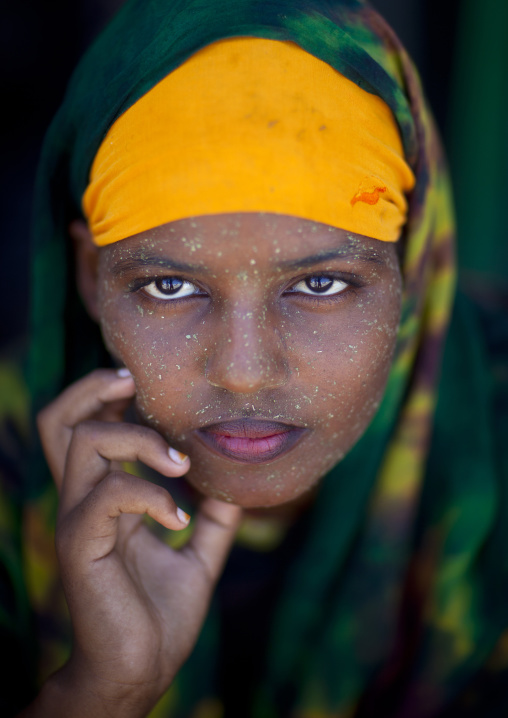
182, 516
123, 372
176, 456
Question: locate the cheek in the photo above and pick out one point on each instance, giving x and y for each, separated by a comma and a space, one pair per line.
161, 355
342, 365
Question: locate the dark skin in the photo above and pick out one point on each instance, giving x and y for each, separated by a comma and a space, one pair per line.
216, 318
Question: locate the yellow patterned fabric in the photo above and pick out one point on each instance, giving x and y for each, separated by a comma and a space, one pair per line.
245, 125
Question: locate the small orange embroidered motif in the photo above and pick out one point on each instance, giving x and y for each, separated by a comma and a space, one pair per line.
369, 196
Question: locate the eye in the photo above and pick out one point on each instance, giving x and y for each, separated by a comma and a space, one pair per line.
320, 285
170, 288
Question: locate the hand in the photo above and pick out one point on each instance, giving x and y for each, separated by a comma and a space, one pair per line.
136, 605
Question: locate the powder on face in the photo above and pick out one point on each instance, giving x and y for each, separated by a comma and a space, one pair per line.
257, 317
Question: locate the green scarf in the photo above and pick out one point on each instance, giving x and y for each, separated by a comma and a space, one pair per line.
396, 603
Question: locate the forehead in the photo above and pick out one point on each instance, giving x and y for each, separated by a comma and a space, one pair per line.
249, 238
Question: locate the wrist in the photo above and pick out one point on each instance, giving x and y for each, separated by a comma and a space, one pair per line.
74, 692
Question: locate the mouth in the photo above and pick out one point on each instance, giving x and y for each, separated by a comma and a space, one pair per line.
251, 441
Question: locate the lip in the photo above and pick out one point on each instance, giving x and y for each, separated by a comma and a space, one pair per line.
251, 441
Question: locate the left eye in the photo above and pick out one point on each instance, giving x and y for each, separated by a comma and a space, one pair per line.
170, 288
320, 285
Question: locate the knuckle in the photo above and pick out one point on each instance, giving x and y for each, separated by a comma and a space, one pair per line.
86, 430
141, 432
142, 437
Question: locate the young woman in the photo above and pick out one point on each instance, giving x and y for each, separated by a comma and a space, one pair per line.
262, 231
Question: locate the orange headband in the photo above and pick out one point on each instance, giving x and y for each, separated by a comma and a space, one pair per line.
251, 125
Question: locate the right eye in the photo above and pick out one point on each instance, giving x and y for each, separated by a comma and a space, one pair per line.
167, 288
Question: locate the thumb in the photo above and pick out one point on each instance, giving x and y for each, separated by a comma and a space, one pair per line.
214, 532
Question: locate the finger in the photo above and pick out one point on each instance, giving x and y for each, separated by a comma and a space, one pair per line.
96, 444
79, 402
114, 411
89, 532
214, 531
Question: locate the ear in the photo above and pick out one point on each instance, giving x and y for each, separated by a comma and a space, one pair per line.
87, 260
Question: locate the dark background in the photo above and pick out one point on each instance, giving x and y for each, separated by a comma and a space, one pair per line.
41, 43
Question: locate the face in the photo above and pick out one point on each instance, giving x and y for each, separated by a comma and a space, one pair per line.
260, 344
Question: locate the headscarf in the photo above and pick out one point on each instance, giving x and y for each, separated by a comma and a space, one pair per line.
384, 611
251, 125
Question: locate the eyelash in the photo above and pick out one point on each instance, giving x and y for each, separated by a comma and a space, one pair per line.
319, 299
351, 281
140, 284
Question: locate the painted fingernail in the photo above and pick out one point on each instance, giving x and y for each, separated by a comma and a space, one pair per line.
176, 456
123, 372
182, 516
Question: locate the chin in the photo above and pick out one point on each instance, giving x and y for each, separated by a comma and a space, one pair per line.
254, 487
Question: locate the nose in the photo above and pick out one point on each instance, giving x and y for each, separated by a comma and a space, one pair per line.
248, 354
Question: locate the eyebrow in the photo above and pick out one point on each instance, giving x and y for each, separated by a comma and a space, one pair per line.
346, 252
140, 259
